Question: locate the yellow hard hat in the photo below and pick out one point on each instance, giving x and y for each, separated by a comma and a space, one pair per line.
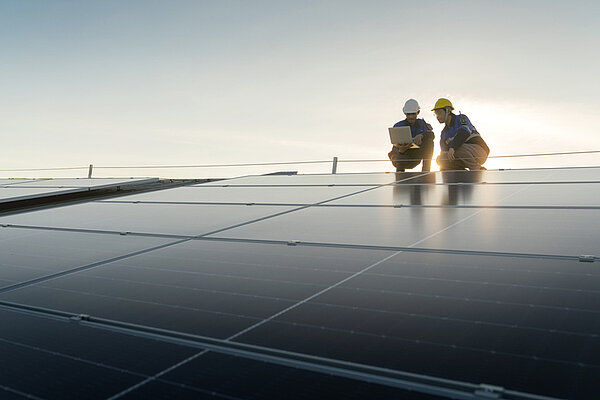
442, 103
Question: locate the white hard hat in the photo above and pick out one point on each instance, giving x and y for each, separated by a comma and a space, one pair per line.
411, 106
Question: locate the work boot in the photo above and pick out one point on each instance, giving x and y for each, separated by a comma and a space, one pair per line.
426, 166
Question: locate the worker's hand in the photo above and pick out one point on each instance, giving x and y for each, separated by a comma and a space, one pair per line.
451, 154
418, 139
403, 147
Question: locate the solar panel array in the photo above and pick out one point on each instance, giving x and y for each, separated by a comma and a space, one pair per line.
26, 189
481, 284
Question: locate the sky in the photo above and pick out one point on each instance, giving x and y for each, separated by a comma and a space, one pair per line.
179, 82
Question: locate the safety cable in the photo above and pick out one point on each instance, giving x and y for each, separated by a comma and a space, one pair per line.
282, 162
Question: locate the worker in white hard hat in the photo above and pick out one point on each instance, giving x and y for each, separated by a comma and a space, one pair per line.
461, 144
407, 156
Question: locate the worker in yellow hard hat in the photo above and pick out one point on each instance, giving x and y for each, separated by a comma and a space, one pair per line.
407, 156
461, 144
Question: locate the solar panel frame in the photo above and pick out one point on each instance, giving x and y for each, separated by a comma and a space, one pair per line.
367, 317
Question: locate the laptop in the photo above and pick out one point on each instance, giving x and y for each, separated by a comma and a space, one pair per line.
401, 135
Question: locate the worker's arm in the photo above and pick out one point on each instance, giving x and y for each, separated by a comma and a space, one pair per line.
426, 136
462, 135
403, 147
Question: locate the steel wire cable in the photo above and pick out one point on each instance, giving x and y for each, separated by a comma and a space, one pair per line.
280, 163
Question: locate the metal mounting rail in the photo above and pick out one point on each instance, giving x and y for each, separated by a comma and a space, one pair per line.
383, 376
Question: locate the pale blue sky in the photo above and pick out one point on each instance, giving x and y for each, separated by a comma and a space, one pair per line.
196, 82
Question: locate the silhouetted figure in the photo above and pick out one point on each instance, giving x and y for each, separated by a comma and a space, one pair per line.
408, 157
462, 145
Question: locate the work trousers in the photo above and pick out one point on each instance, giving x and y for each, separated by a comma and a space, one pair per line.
468, 155
413, 157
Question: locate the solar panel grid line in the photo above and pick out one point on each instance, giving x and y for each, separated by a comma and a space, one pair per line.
35, 195
397, 248
242, 332
161, 304
16, 181
99, 231
356, 205
502, 285
263, 218
298, 209
399, 379
248, 278
319, 293
288, 186
493, 183
295, 282
20, 393
67, 356
526, 397
84, 268
289, 300
74, 318
284, 267
247, 351
442, 345
494, 301
256, 296
210, 203
447, 318
155, 376
257, 352
393, 184
314, 244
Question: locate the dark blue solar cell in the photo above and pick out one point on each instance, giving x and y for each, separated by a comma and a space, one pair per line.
51, 358
225, 376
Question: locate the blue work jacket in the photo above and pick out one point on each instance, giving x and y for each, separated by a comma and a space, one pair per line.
420, 127
460, 130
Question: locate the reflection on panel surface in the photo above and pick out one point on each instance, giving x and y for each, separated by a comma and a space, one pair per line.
557, 175
56, 359
200, 287
431, 195
181, 219
477, 319
544, 195
366, 226
200, 193
372, 179
28, 254
562, 232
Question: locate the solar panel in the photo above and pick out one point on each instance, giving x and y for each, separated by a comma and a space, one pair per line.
16, 190
88, 183
30, 254
20, 192
160, 219
488, 195
241, 195
371, 179
358, 291
14, 181
55, 358
227, 286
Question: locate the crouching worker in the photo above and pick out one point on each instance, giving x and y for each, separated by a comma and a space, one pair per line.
461, 145
408, 157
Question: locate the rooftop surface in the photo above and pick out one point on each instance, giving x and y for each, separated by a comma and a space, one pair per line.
463, 284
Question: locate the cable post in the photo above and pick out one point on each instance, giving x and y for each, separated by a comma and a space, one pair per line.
334, 167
